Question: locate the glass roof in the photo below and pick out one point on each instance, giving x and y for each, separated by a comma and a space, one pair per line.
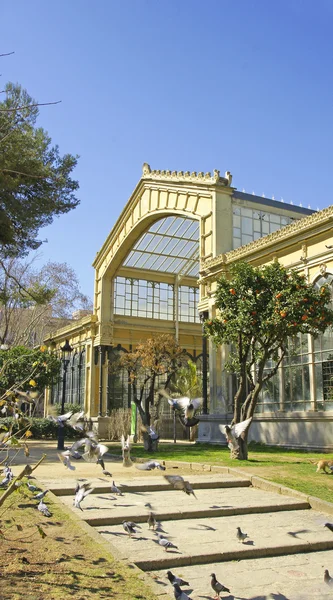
170, 245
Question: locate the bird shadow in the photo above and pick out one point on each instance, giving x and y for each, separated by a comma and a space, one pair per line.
106, 498
115, 533
248, 543
203, 528
294, 533
125, 505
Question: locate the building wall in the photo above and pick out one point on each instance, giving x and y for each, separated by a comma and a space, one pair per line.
307, 247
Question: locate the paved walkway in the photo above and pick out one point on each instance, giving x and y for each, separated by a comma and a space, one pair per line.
285, 555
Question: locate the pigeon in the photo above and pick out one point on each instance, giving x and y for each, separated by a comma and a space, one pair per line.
106, 473
329, 526
217, 586
32, 487
130, 527
64, 458
126, 450
74, 421
233, 433
327, 578
81, 491
61, 419
150, 465
240, 535
93, 451
179, 594
165, 543
180, 484
187, 407
40, 496
174, 580
44, 509
151, 520
115, 489
25, 395
73, 450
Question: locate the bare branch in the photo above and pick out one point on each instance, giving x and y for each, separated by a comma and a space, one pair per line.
28, 106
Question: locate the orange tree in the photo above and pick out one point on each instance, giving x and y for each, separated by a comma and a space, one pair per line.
259, 308
155, 359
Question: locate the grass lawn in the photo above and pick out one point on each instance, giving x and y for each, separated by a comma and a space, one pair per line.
66, 564
288, 467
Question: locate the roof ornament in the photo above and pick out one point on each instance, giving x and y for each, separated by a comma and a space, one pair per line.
228, 177
146, 170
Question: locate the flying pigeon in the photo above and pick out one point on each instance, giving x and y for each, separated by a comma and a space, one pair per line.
217, 586
44, 509
115, 489
151, 432
187, 407
233, 433
151, 520
174, 580
93, 451
327, 578
130, 527
81, 491
180, 484
150, 465
64, 458
165, 543
240, 535
179, 594
73, 449
40, 496
126, 450
61, 419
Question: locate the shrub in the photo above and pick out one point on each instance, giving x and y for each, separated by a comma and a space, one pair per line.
119, 424
40, 428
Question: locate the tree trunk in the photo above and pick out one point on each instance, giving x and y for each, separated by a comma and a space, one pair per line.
241, 453
149, 444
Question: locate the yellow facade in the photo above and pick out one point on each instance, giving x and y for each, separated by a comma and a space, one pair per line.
210, 205
306, 246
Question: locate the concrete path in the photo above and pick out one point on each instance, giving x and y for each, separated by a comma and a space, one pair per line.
285, 555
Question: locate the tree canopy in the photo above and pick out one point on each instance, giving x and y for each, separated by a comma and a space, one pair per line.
259, 308
155, 359
34, 302
28, 370
35, 180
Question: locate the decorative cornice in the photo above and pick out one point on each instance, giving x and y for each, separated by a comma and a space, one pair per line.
200, 177
299, 226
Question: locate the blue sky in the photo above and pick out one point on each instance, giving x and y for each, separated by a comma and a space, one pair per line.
239, 85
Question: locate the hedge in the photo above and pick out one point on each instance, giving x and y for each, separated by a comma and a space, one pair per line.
41, 428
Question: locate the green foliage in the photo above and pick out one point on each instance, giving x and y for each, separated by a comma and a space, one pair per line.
268, 303
27, 369
40, 428
259, 308
187, 382
35, 182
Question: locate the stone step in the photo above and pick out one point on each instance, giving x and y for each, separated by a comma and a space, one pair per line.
104, 509
292, 577
156, 484
270, 534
